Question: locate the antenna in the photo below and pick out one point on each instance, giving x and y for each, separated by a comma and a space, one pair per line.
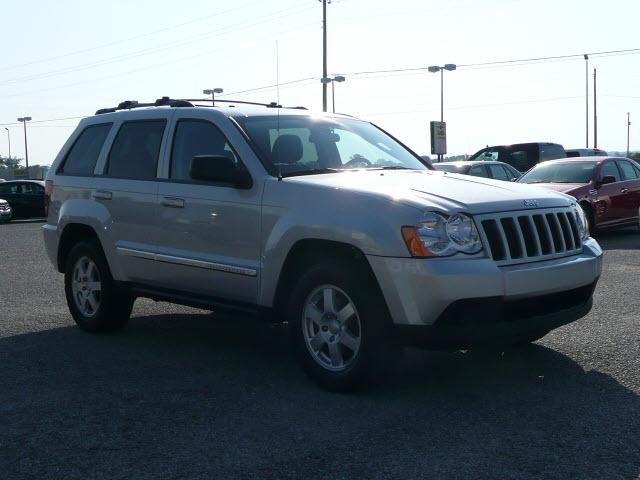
277, 73
278, 100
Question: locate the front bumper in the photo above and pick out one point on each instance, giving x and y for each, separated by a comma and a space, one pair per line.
6, 214
494, 321
419, 291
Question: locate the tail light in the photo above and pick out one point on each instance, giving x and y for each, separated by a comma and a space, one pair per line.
48, 190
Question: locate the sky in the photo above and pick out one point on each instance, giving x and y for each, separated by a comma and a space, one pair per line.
63, 60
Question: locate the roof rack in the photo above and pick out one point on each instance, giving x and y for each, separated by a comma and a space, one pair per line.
160, 102
185, 102
243, 102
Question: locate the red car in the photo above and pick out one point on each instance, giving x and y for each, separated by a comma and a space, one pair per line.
607, 188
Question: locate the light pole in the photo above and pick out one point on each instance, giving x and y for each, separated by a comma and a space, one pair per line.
586, 99
628, 125
24, 121
9, 141
434, 69
332, 80
212, 92
595, 112
324, 54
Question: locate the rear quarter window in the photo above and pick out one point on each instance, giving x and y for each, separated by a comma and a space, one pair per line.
83, 155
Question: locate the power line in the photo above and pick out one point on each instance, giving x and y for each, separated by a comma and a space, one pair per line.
147, 67
135, 37
162, 47
44, 121
411, 69
509, 62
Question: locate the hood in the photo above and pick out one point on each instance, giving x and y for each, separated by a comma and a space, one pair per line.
430, 189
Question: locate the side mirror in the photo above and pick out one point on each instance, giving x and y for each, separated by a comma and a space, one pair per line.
218, 168
605, 180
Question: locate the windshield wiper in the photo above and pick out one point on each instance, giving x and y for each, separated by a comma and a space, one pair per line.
394, 167
313, 171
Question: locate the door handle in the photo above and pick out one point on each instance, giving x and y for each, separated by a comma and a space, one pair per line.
624, 190
101, 195
172, 202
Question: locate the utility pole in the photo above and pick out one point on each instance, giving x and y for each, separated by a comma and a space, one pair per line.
595, 115
586, 98
9, 141
24, 121
324, 55
628, 125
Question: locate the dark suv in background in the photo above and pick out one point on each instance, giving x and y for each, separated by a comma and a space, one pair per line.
521, 156
26, 197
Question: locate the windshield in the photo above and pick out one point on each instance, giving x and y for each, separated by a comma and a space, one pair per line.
560, 172
303, 145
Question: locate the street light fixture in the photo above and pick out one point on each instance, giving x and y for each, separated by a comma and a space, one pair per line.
332, 80
212, 92
9, 141
24, 121
450, 67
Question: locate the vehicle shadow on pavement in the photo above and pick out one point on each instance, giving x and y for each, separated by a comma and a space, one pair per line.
195, 396
19, 221
627, 239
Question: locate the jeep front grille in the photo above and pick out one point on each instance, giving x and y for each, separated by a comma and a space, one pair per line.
531, 235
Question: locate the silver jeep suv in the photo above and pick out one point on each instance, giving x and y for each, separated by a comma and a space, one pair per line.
322, 221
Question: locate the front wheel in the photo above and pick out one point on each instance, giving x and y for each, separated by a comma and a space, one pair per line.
96, 303
339, 327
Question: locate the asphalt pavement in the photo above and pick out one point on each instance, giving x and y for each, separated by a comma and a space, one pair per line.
182, 393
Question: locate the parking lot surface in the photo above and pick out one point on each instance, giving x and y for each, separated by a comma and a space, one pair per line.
183, 393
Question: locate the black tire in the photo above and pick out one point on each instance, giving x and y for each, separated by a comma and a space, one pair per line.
115, 304
588, 212
378, 351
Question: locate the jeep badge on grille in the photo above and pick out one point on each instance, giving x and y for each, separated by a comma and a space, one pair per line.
530, 203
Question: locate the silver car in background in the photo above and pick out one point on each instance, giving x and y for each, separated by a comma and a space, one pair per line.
6, 214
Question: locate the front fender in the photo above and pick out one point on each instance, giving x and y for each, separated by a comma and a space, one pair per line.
370, 224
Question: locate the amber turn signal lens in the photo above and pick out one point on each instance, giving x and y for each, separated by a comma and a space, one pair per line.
414, 244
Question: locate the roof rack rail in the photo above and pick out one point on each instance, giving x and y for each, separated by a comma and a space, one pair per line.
242, 102
160, 102
185, 102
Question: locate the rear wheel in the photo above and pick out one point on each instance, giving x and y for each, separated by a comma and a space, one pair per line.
96, 303
339, 327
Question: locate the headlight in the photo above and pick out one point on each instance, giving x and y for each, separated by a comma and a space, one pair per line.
581, 219
439, 236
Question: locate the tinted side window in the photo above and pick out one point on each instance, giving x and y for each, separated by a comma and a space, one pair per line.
628, 172
196, 137
498, 172
487, 156
551, 152
135, 150
10, 188
609, 168
478, 171
82, 158
31, 189
519, 159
